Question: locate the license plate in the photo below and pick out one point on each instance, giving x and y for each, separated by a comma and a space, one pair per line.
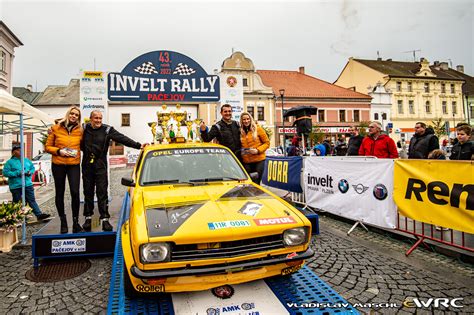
290, 270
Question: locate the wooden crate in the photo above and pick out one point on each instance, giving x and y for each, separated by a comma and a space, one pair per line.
8, 240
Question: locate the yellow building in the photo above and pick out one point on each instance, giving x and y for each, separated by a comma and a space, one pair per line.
419, 91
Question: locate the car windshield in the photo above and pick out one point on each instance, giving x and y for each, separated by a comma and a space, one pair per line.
190, 165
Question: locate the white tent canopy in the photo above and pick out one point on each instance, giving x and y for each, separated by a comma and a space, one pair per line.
11, 107
18, 116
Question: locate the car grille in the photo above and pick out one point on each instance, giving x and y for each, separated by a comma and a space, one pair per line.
227, 249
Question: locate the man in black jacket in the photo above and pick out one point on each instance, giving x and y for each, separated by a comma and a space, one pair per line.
354, 142
423, 142
95, 143
226, 131
464, 149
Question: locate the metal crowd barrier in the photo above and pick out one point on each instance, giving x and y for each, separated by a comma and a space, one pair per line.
420, 230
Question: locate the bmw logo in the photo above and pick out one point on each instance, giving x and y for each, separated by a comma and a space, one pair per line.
380, 191
56, 243
343, 186
80, 242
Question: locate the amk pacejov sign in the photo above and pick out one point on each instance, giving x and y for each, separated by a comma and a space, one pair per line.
163, 76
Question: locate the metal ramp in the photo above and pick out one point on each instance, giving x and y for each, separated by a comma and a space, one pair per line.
298, 293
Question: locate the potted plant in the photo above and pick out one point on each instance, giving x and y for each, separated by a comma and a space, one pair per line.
11, 216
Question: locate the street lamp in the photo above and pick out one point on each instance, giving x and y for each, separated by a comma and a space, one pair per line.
282, 94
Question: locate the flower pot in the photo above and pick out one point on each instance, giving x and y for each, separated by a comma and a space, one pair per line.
8, 239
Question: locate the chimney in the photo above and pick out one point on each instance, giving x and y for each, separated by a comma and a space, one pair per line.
301, 70
460, 68
444, 65
29, 87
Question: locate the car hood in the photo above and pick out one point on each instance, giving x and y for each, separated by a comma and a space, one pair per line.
225, 211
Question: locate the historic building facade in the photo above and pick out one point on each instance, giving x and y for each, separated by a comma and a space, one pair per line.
419, 92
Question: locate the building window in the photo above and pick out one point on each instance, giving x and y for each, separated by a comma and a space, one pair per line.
3, 61
453, 89
261, 113
428, 107
245, 82
376, 116
455, 108
399, 86
427, 87
384, 116
443, 88
125, 120
321, 115
410, 87
250, 111
472, 110
411, 107
342, 115
356, 115
400, 106
444, 106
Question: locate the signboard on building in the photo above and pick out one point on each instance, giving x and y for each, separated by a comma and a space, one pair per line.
163, 75
93, 94
232, 93
331, 129
287, 130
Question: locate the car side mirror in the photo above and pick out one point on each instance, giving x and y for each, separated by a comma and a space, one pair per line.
254, 176
128, 182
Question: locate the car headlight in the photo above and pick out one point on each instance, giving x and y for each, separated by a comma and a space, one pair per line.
155, 252
296, 236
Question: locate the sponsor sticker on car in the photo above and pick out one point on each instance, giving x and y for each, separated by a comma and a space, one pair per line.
290, 270
150, 288
228, 224
274, 221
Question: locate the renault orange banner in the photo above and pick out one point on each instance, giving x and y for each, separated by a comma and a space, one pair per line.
436, 192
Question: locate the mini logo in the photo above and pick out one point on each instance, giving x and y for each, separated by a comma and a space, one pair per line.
231, 81
213, 311
223, 292
380, 192
360, 189
343, 186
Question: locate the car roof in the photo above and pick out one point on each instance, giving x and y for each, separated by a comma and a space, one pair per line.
153, 147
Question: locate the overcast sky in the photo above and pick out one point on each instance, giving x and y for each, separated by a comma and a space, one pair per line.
62, 37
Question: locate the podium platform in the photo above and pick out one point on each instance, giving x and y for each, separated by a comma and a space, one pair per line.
50, 243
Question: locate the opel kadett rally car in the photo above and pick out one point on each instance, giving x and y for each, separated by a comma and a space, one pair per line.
197, 221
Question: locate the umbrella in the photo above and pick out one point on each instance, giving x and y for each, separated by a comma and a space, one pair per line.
300, 111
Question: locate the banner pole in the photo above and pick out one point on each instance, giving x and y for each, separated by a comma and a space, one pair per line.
355, 225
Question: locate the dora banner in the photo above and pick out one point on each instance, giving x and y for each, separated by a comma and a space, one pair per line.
436, 192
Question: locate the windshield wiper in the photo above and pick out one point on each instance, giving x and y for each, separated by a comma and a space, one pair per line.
168, 181
215, 179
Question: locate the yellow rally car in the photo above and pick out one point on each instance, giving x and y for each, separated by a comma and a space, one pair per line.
197, 221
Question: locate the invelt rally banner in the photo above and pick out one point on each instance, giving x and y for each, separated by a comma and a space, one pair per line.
163, 75
358, 189
436, 192
283, 173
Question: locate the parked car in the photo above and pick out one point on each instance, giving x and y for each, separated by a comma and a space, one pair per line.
274, 152
197, 221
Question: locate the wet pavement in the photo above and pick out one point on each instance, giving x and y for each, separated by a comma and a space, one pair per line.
365, 267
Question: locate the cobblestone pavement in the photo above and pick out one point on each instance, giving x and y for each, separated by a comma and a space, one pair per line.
366, 267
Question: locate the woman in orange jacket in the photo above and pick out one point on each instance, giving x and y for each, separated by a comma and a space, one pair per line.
254, 144
64, 144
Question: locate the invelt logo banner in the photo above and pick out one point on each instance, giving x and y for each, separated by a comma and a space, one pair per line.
355, 188
436, 192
